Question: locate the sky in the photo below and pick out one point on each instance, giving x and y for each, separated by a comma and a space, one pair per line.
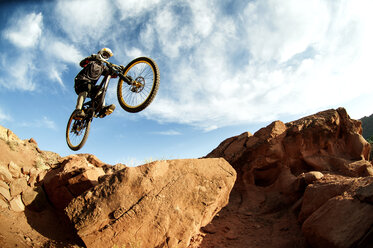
226, 66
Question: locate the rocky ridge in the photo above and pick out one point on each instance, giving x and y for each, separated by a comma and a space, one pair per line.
306, 183
79, 201
300, 183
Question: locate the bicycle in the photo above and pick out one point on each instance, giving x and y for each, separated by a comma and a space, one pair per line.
137, 86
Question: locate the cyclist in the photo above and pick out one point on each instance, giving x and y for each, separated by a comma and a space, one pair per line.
85, 81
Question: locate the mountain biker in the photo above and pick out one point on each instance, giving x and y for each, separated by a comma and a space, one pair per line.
85, 81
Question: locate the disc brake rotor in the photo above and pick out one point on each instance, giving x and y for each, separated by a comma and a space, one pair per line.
138, 85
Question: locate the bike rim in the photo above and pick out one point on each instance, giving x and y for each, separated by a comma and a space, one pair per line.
76, 137
143, 73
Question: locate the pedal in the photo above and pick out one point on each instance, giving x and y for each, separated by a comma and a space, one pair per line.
110, 110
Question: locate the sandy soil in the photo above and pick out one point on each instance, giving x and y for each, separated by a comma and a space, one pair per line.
31, 229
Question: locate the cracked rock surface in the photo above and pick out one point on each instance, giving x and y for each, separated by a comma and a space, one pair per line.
161, 204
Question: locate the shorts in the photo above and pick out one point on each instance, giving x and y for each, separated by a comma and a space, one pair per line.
82, 85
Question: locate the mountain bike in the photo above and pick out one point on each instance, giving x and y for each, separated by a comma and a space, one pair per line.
137, 86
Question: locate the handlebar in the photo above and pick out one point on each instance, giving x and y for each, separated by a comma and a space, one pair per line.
118, 69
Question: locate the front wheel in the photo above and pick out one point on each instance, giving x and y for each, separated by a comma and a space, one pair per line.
140, 92
77, 131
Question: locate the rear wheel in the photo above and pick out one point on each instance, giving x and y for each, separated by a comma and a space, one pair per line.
77, 131
136, 96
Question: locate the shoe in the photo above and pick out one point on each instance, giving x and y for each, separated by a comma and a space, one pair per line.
107, 110
80, 114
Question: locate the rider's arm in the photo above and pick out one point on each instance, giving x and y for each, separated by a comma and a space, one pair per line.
108, 71
84, 62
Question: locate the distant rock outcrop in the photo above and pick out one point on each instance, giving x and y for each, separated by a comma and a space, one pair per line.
161, 204
315, 167
23, 167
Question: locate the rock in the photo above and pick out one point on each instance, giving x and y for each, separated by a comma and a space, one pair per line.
35, 199
26, 170
17, 186
320, 192
8, 136
84, 181
365, 193
5, 175
329, 141
5, 193
161, 204
312, 176
296, 167
304, 179
32, 141
70, 179
333, 213
33, 176
3, 203
340, 222
92, 159
4, 185
14, 170
17, 205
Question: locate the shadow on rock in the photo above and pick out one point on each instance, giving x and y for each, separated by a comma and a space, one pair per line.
56, 227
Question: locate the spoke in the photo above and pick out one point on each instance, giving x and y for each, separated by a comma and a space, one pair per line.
140, 70
76, 136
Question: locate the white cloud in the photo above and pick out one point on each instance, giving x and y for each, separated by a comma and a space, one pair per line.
85, 21
134, 8
26, 31
171, 132
17, 73
272, 61
44, 122
4, 116
219, 65
64, 52
279, 30
134, 52
55, 73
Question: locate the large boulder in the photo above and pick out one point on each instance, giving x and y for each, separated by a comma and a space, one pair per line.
72, 177
336, 214
161, 204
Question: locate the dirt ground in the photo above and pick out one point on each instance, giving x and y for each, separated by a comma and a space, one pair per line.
260, 222
30, 229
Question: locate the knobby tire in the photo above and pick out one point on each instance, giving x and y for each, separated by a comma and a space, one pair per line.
124, 90
70, 124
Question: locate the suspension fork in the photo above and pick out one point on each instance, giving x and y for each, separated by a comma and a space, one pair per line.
126, 79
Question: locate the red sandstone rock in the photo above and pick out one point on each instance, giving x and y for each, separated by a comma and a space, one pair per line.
318, 193
74, 176
162, 204
327, 141
340, 223
321, 155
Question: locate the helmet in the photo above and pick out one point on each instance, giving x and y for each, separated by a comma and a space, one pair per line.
105, 53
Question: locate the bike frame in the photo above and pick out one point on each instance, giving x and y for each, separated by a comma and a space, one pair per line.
102, 90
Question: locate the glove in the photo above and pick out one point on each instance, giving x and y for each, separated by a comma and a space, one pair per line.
113, 73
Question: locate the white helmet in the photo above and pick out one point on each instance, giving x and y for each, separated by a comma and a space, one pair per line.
105, 53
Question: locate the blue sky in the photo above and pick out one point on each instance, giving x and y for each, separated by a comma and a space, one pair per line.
226, 67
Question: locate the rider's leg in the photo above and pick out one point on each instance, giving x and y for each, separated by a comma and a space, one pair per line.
81, 98
106, 110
